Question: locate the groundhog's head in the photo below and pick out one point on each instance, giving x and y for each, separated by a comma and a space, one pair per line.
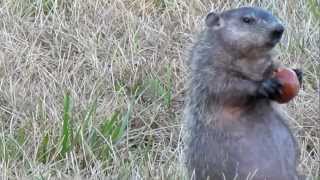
246, 30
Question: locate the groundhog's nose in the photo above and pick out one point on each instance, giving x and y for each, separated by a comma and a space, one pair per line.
277, 32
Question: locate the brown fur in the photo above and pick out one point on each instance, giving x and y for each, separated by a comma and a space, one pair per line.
232, 131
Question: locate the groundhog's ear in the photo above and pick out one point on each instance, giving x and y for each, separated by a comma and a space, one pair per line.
213, 19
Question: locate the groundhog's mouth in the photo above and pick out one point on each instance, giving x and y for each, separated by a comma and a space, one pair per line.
272, 43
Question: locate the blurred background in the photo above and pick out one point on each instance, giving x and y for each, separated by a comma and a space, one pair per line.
94, 89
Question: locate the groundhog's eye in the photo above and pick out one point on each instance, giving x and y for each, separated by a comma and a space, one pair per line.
248, 20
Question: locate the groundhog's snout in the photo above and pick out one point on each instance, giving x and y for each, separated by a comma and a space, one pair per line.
277, 32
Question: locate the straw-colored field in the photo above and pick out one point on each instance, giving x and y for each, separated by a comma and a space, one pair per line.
94, 89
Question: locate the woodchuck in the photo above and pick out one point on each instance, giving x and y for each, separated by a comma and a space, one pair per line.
233, 127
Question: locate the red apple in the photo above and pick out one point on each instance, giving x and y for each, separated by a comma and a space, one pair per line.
290, 84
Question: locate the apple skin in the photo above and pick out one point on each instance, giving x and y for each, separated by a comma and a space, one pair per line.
290, 84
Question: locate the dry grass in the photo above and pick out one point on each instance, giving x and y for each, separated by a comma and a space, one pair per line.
93, 89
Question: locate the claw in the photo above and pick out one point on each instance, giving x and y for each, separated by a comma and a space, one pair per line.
299, 75
270, 88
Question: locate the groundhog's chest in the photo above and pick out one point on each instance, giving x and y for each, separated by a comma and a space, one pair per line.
257, 141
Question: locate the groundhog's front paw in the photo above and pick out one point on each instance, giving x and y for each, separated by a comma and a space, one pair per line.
299, 75
270, 89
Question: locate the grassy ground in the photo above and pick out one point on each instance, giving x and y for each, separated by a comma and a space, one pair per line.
92, 89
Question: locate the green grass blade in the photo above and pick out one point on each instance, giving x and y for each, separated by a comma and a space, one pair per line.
314, 7
84, 125
42, 153
119, 131
107, 127
66, 134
